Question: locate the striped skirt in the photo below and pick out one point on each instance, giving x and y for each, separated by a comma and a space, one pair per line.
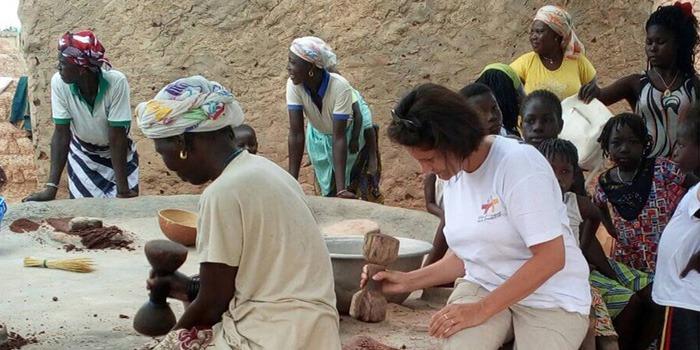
90, 172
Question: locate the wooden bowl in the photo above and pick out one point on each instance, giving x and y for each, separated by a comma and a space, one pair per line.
179, 225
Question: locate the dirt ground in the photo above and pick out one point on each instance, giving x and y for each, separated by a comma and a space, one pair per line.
65, 310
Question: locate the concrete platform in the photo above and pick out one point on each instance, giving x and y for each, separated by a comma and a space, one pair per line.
90, 308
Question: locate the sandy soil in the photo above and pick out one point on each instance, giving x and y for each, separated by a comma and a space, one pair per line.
95, 310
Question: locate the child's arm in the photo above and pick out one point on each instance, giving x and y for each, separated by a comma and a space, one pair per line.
590, 245
601, 202
591, 219
439, 245
354, 144
607, 220
429, 191
372, 150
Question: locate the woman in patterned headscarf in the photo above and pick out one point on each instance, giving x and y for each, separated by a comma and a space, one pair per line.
92, 118
557, 62
333, 109
244, 297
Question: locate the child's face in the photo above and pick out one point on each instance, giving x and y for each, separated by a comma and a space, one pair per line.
489, 112
564, 171
687, 153
248, 141
625, 148
540, 122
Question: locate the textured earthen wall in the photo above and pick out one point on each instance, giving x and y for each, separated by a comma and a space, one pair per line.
384, 48
16, 154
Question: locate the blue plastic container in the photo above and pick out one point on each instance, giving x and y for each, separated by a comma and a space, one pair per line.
3, 208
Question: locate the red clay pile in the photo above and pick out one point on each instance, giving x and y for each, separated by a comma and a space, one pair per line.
23, 225
16, 341
110, 237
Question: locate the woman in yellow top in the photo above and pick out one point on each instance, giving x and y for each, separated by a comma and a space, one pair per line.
557, 62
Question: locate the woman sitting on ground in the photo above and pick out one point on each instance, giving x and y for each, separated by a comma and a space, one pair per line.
505, 223
557, 62
245, 297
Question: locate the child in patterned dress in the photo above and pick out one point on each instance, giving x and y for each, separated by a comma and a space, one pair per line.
636, 198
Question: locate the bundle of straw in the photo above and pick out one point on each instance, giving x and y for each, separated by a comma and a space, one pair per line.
74, 264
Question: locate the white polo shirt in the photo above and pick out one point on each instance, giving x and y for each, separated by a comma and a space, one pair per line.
496, 213
90, 124
679, 242
336, 97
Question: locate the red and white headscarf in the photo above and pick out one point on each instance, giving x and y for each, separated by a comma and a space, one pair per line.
561, 23
83, 49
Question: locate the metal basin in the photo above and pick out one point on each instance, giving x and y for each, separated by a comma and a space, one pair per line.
347, 259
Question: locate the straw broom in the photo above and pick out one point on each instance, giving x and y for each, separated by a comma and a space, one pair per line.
74, 265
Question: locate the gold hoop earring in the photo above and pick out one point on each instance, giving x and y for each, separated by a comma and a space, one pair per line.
311, 73
183, 154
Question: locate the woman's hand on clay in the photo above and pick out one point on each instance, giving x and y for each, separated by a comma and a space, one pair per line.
175, 283
47, 194
393, 282
589, 92
456, 317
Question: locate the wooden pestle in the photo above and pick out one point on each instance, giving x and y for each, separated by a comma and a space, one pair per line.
155, 317
369, 304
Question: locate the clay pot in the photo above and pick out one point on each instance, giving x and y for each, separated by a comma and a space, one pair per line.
154, 319
179, 225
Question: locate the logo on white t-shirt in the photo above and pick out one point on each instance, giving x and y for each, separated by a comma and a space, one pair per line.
491, 209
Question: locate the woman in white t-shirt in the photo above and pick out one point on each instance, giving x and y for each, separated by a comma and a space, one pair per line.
518, 271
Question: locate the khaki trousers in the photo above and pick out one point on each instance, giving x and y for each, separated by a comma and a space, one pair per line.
532, 328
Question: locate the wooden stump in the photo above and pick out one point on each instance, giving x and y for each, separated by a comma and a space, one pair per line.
369, 304
380, 249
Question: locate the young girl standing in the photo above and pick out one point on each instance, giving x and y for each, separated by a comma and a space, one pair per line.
636, 199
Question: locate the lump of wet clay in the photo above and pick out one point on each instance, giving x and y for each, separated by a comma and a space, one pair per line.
354, 227
80, 223
59, 224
